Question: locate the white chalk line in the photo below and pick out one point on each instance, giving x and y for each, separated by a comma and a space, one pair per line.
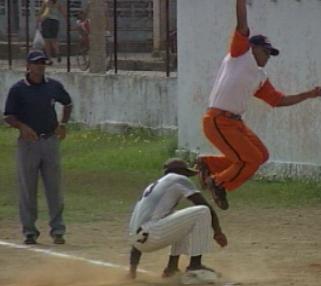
68, 256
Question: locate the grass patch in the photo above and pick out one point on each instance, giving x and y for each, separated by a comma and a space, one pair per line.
285, 194
104, 174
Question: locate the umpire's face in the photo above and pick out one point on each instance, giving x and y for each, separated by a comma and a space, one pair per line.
37, 68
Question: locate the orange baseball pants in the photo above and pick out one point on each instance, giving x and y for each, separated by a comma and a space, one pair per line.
243, 152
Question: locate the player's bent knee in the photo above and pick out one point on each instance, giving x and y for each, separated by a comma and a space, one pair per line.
203, 211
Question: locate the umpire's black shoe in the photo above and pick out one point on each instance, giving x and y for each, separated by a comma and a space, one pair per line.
30, 239
218, 194
59, 239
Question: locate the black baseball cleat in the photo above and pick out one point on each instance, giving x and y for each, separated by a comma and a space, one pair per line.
59, 239
30, 239
218, 193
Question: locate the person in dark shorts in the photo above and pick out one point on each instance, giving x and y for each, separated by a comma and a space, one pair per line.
49, 16
30, 107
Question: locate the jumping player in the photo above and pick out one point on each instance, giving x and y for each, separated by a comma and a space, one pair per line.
155, 225
240, 76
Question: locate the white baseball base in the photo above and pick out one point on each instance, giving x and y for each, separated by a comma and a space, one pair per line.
199, 277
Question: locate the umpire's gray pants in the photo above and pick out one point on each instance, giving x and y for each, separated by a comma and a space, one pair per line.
34, 158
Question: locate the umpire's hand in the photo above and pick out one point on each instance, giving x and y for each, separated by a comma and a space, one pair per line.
28, 133
61, 132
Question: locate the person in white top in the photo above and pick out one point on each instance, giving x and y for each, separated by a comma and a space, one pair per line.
240, 76
48, 20
155, 224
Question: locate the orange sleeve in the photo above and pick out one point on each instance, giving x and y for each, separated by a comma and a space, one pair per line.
269, 94
240, 44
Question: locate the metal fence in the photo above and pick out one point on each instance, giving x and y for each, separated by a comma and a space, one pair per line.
130, 38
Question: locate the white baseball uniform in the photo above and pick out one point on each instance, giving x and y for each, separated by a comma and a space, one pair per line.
188, 231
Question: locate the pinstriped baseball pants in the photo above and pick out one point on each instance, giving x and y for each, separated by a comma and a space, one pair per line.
34, 158
187, 231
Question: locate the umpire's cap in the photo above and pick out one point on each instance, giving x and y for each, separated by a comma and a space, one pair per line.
177, 165
36, 55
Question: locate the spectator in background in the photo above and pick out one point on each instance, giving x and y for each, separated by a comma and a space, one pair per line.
83, 27
49, 16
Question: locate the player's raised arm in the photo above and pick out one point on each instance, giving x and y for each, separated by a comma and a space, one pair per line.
241, 17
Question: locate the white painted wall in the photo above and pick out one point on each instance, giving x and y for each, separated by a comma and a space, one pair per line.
114, 101
204, 28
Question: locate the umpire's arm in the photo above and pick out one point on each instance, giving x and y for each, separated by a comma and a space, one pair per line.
219, 236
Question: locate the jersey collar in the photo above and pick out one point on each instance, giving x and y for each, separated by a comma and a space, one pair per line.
28, 82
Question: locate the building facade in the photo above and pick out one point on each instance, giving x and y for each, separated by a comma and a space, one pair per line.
135, 19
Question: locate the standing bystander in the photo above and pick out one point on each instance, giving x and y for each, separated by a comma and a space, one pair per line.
83, 28
30, 107
49, 16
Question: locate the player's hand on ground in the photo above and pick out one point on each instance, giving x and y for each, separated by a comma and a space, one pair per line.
61, 132
28, 133
220, 238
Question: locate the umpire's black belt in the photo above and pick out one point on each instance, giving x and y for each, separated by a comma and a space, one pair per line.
46, 135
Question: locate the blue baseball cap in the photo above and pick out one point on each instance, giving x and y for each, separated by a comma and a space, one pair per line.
36, 55
263, 41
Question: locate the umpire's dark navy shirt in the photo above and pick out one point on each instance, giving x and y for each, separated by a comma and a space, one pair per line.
34, 104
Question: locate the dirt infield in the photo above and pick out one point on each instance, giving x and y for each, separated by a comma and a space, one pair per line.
266, 247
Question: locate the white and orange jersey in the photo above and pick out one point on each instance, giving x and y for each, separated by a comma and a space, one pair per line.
239, 77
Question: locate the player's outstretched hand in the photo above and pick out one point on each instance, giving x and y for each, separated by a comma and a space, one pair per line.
316, 92
220, 238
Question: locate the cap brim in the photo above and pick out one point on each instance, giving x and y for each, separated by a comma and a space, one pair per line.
274, 52
38, 58
191, 172
268, 46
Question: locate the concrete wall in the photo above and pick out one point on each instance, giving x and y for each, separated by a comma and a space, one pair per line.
115, 101
293, 135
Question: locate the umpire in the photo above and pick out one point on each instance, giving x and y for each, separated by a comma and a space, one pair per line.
30, 107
